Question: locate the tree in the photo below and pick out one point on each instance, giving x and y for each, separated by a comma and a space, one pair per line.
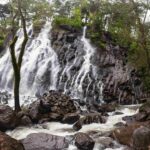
142, 35
17, 63
22, 10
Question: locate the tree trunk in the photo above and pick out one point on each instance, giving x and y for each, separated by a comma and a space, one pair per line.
16, 91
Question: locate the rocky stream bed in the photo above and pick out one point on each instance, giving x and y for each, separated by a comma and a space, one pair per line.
56, 122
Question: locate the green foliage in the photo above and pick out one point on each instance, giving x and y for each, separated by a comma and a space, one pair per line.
66, 21
75, 20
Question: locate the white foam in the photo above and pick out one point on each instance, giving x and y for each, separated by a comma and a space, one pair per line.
60, 129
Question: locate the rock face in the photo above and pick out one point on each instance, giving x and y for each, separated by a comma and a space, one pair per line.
141, 139
7, 118
84, 142
8, 143
121, 82
43, 141
52, 106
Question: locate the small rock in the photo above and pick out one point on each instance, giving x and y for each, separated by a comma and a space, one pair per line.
118, 113
84, 142
77, 126
71, 118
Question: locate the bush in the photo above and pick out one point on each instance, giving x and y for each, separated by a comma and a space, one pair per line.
74, 22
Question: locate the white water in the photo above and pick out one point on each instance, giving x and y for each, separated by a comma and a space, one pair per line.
39, 60
59, 129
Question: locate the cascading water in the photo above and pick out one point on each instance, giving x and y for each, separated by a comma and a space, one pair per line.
79, 84
42, 71
40, 66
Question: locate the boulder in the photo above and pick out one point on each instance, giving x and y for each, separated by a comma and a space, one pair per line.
124, 134
25, 121
84, 142
8, 143
34, 111
43, 141
71, 118
145, 108
144, 112
8, 119
88, 119
24, 118
141, 138
53, 106
106, 107
141, 116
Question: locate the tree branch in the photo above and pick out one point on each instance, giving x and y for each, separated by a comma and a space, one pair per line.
23, 21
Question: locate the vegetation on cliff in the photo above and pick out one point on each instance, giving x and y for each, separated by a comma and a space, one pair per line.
126, 24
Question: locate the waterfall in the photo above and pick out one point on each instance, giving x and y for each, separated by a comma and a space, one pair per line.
42, 71
87, 72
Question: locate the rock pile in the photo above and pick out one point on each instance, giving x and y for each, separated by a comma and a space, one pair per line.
53, 106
